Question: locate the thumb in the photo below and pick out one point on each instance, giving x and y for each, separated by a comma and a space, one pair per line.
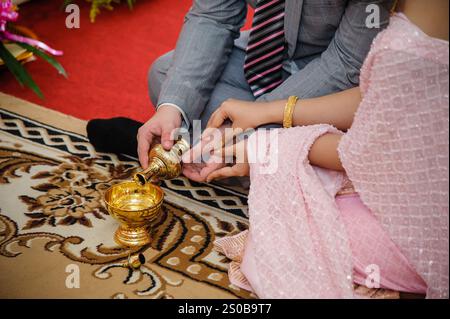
166, 138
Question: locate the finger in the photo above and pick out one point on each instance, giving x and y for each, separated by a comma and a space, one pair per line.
211, 139
221, 174
187, 171
143, 148
227, 139
208, 169
217, 118
215, 142
228, 152
214, 159
194, 154
166, 138
229, 136
207, 133
192, 171
193, 167
193, 175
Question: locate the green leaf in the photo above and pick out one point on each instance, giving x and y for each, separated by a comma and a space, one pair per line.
130, 4
44, 56
66, 3
17, 69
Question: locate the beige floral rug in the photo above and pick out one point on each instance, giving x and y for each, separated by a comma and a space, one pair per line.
52, 219
54, 229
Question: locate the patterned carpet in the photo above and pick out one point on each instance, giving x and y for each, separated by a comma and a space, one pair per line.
52, 217
52, 220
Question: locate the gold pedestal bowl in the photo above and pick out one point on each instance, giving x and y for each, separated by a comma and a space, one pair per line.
136, 207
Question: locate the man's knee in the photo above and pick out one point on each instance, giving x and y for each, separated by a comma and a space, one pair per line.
157, 74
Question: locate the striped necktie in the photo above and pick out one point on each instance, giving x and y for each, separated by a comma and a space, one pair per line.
266, 47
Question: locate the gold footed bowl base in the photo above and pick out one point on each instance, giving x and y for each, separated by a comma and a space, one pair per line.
132, 237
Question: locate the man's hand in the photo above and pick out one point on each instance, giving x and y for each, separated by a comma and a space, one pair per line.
161, 125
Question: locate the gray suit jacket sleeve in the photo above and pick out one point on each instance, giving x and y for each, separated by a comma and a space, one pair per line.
202, 51
338, 68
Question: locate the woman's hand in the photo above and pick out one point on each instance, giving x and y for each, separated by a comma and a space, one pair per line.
198, 162
239, 168
199, 172
243, 114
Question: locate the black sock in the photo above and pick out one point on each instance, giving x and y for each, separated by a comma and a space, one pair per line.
116, 135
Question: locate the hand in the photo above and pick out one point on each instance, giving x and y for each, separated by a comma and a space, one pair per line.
160, 125
197, 169
216, 168
240, 167
199, 172
244, 115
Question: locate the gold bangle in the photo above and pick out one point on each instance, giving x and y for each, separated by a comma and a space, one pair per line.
289, 111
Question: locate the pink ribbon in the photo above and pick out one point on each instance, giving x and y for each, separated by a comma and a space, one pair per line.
7, 14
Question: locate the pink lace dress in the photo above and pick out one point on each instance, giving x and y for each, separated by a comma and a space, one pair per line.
307, 241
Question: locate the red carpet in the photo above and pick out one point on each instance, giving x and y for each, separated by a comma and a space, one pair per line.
107, 61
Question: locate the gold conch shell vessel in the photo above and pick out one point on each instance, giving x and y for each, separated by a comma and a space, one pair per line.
137, 204
163, 164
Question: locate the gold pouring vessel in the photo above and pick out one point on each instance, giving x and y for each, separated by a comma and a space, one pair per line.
163, 164
137, 204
